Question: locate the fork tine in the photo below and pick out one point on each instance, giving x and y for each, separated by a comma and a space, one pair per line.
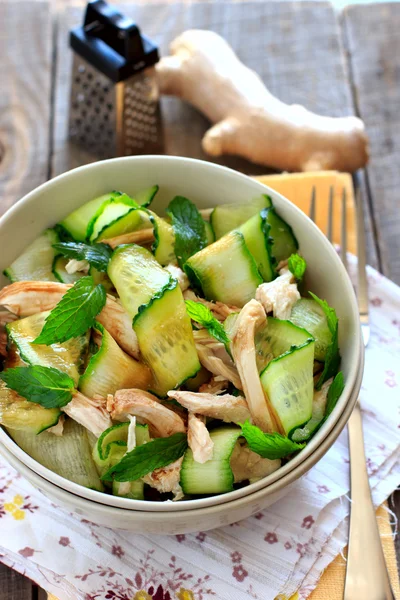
329, 224
343, 233
311, 211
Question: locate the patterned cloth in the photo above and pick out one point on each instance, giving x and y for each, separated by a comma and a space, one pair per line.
273, 554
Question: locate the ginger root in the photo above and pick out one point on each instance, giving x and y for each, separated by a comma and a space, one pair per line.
249, 121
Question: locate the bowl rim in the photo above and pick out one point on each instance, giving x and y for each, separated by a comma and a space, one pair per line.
81, 502
321, 436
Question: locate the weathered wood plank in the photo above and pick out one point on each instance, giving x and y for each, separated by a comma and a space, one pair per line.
374, 49
25, 50
14, 586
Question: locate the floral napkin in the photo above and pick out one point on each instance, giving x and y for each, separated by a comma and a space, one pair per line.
275, 553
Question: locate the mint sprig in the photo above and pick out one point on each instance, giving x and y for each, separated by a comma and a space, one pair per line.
297, 266
147, 457
203, 315
268, 445
97, 255
46, 386
189, 228
74, 314
332, 357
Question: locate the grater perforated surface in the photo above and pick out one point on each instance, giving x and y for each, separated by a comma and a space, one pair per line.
142, 122
92, 118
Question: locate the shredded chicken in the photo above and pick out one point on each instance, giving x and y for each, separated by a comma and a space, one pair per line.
179, 275
219, 309
57, 429
251, 317
141, 237
166, 479
246, 464
214, 357
88, 412
199, 439
162, 421
231, 409
280, 295
77, 266
216, 385
25, 298
5, 317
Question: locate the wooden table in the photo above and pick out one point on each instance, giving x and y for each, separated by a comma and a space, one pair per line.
334, 64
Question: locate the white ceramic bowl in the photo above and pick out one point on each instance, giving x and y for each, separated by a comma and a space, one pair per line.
207, 185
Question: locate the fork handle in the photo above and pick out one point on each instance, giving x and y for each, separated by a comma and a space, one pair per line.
366, 572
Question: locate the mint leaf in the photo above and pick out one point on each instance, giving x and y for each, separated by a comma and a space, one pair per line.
203, 315
335, 391
297, 266
332, 358
46, 386
268, 445
97, 255
189, 228
74, 314
147, 457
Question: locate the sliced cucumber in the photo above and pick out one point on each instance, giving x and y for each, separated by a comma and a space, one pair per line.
225, 270
103, 278
68, 357
284, 242
226, 217
288, 384
131, 221
129, 489
36, 262
60, 272
110, 369
276, 338
108, 214
76, 224
164, 242
145, 197
308, 314
68, 455
256, 235
210, 236
16, 413
137, 277
165, 337
193, 383
214, 476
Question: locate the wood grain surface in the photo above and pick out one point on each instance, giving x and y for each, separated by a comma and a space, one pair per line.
296, 47
373, 41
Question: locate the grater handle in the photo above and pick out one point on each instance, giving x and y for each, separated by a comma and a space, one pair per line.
117, 31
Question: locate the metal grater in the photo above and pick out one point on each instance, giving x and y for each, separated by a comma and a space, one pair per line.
114, 108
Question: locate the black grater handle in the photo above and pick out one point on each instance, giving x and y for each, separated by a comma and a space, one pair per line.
103, 21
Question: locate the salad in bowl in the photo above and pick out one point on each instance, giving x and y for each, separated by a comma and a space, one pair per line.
165, 357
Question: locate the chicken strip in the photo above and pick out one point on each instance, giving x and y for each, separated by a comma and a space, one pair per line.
179, 275
57, 429
5, 317
251, 317
320, 398
162, 421
214, 357
25, 298
141, 237
199, 439
280, 295
166, 479
77, 266
216, 385
92, 414
231, 409
219, 309
246, 464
